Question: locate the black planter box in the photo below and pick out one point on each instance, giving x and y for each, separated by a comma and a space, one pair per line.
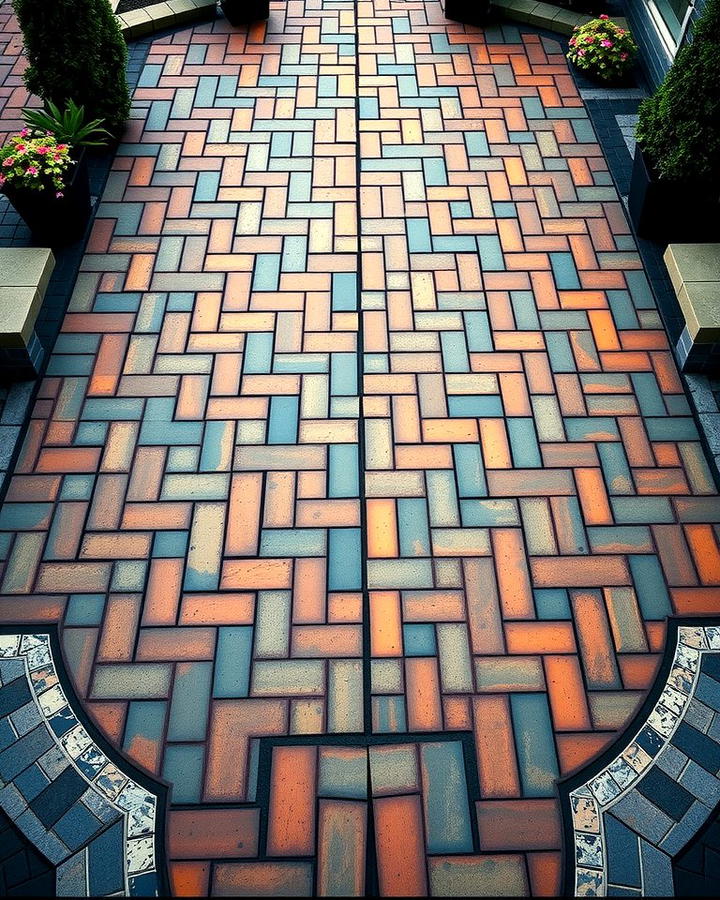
672, 210
469, 12
628, 79
243, 12
55, 221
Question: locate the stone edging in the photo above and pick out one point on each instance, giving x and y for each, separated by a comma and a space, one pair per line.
668, 741
137, 23
95, 817
542, 15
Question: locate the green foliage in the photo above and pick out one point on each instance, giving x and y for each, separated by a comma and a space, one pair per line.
75, 50
679, 126
34, 162
602, 48
68, 125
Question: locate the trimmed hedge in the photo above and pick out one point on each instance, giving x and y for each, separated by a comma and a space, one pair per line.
76, 51
679, 126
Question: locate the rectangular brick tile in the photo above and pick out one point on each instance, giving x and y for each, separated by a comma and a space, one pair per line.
291, 813
213, 833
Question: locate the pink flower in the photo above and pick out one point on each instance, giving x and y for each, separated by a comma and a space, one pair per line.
57, 157
21, 148
3, 179
581, 53
603, 16
31, 170
589, 39
43, 150
572, 42
25, 132
606, 43
59, 195
10, 161
62, 147
623, 56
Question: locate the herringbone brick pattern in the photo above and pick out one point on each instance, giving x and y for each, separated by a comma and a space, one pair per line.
13, 93
245, 539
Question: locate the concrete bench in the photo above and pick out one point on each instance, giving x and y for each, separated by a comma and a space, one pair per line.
694, 270
542, 15
136, 23
24, 276
547, 15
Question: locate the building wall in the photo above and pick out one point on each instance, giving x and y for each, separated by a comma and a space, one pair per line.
656, 60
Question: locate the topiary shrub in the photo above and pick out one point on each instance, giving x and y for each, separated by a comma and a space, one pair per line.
76, 52
679, 126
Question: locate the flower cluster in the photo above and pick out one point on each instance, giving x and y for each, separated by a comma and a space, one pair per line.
35, 161
602, 48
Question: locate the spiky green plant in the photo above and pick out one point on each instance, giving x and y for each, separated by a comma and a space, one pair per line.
68, 125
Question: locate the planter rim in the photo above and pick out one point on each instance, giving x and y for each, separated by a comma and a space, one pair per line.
55, 221
11, 190
671, 211
620, 81
693, 183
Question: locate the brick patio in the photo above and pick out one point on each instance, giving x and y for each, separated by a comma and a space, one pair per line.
362, 429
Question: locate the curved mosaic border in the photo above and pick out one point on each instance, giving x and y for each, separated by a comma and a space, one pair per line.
88, 810
636, 807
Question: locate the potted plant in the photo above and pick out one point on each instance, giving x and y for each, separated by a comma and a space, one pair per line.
68, 125
243, 12
469, 12
602, 50
675, 185
45, 174
45, 185
75, 49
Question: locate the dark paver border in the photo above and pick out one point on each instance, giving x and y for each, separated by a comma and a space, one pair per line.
68, 801
639, 723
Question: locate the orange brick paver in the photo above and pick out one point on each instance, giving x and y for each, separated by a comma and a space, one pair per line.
362, 428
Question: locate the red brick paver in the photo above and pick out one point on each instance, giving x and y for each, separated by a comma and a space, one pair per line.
13, 93
457, 567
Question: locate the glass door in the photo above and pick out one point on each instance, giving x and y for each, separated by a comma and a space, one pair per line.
671, 18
